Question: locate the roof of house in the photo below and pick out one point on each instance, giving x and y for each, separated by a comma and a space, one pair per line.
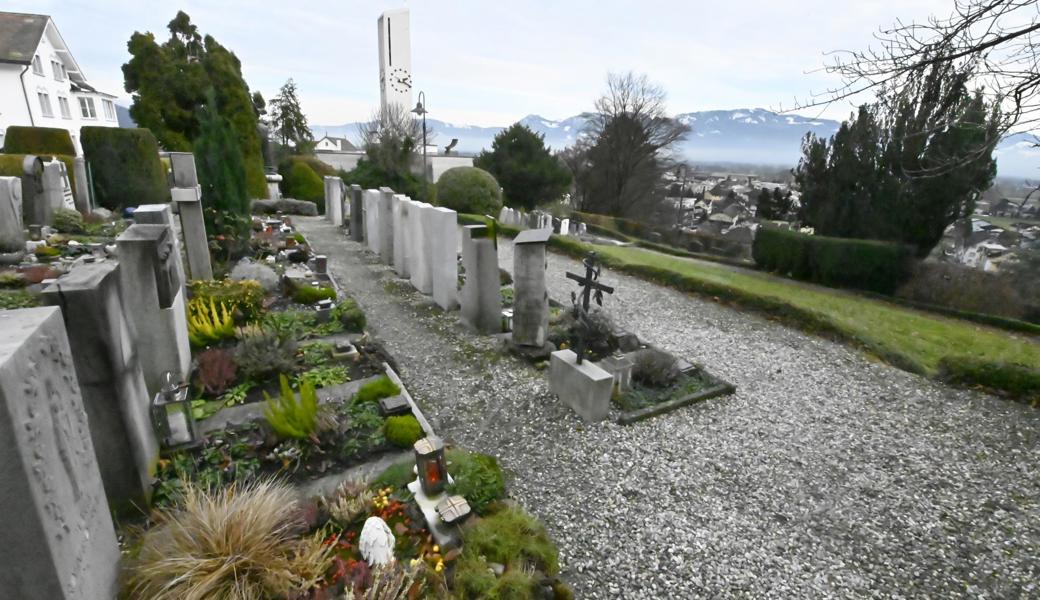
20, 36
342, 142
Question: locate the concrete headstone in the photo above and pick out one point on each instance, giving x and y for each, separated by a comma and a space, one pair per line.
402, 206
420, 267
371, 198
58, 539
443, 233
12, 233
357, 214
530, 295
386, 225
481, 298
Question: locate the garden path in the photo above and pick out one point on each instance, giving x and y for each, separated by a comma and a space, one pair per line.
826, 474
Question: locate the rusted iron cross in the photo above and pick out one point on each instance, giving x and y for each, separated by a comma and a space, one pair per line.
591, 290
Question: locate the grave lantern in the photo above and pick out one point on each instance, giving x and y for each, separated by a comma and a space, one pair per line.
429, 462
172, 416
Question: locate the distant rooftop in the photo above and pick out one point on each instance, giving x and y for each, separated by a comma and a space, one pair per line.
19, 36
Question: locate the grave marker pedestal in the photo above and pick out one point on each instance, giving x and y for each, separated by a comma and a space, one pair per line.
58, 538
419, 267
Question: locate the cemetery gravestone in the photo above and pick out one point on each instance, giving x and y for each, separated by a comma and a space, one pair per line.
386, 225
402, 213
334, 200
35, 208
565, 226
357, 214
372, 219
193, 228
443, 233
153, 298
12, 235
111, 381
419, 268
182, 164
584, 387
481, 298
530, 295
84, 204
160, 214
58, 538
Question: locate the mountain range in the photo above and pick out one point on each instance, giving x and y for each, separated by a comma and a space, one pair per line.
742, 136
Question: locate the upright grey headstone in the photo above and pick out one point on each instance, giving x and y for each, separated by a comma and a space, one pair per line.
443, 233
565, 226
386, 225
372, 220
357, 214
334, 200
58, 538
161, 214
84, 203
481, 296
35, 208
110, 379
183, 166
193, 228
402, 207
419, 268
530, 295
154, 301
12, 233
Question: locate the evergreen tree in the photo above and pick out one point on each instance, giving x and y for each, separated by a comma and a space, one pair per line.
218, 160
288, 120
169, 83
522, 164
773, 206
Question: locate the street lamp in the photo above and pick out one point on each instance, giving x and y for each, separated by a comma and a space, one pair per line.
420, 109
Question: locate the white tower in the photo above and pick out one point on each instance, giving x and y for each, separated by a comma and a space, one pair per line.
395, 59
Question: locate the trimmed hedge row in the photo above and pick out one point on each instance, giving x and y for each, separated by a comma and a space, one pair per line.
861, 264
1018, 381
126, 167
38, 140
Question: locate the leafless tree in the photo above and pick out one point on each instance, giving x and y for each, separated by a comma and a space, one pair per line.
391, 136
630, 137
993, 41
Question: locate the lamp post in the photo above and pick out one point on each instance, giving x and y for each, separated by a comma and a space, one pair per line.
420, 109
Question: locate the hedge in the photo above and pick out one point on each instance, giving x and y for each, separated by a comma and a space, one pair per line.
300, 182
469, 190
126, 167
49, 141
1018, 381
861, 264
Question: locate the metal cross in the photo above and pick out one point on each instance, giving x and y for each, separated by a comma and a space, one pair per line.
591, 289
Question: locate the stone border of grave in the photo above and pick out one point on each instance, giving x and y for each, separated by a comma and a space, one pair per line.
720, 387
416, 411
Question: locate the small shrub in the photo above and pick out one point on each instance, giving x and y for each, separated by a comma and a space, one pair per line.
350, 315
307, 294
655, 368
12, 299
477, 478
248, 270
216, 370
299, 181
47, 253
245, 296
209, 322
403, 430
599, 337
263, 352
291, 417
469, 190
67, 220
235, 543
351, 500
12, 280
373, 391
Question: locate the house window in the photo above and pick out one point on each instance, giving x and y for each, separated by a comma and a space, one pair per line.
56, 68
86, 108
63, 104
110, 109
37, 65
45, 104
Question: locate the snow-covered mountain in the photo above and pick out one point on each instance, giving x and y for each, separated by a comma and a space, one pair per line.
750, 136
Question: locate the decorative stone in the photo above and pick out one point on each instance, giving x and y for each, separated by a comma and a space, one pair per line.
394, 405
376, 542
111, 380
453, 510
58, 538
585, 388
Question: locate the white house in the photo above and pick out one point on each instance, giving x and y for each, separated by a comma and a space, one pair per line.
41, 85
334, 144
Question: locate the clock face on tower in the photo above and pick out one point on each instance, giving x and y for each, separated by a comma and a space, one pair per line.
399, 80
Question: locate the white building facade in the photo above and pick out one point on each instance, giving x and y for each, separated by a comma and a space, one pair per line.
41, 85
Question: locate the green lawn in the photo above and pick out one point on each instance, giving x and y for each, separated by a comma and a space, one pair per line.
909, 338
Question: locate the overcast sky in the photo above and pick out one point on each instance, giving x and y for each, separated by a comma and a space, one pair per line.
491, 63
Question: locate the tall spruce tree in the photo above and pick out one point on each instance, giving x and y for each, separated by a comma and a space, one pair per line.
169, 82
528, 173
288, 121
218, 160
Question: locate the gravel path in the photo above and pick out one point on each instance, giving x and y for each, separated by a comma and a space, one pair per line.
826, 475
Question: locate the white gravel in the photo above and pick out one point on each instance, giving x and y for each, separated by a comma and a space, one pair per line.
827, 474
